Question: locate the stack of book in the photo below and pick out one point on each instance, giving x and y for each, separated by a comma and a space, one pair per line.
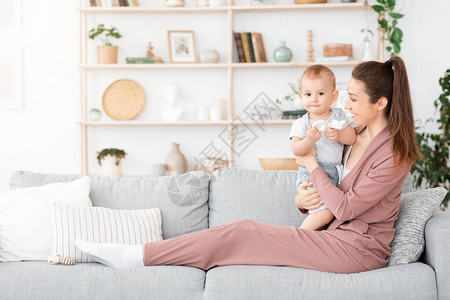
293, 114
144, 60
248, 47
111, 3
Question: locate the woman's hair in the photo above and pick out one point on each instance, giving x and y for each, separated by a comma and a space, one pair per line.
390, 80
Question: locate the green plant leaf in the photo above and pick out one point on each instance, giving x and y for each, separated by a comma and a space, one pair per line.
378, 8
396, 15
397, 34
390, 4
397, 48
381, 1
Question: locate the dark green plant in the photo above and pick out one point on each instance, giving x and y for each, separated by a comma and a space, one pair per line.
104, 34
117, 153
434, 169
293, 95
387, 19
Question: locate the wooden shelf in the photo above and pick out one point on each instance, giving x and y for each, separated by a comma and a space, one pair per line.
215, 66
224, 9
181, 123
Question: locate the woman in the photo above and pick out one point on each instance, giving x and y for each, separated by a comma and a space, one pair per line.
365, 205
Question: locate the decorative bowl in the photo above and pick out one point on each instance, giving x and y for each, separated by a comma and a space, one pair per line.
278, 163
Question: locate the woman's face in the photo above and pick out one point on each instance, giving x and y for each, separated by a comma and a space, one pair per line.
363, 112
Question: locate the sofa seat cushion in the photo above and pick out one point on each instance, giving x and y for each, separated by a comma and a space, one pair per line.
40, 280
413, 281
182, 198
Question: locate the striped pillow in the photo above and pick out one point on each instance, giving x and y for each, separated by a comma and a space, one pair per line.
101, 225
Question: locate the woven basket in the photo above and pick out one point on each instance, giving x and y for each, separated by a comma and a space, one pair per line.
123, 100
278, 163
309, 1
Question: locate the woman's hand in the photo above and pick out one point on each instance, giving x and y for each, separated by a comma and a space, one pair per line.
307, 199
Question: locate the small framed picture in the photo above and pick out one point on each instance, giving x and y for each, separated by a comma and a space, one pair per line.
182, 46
263, 2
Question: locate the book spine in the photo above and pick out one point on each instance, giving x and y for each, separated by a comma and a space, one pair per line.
250, 47
116, 3
140, 62
246, 47
93, 3
239, 46
235, 51
125, 3
133, 3
258, 47
98, 2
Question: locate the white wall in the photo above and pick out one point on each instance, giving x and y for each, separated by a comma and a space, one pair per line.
44, 136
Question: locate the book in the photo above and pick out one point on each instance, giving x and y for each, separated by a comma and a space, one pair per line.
235, 52
133, 3
144, 60
258, 47
293, 114
240, 48
246, 47
93, 3
116, 3
250, 46
98, 2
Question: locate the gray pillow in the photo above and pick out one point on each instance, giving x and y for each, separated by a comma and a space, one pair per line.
415, 210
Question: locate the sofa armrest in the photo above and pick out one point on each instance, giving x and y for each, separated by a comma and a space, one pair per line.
437, 255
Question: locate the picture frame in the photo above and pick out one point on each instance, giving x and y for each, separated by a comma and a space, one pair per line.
263, 2
11, 78
10, 17
182, 46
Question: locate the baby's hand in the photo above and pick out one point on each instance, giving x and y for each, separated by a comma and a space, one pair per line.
313, 133
333, 135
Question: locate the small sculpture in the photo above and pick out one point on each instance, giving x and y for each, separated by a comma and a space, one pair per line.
150, 52
367, 54
172, 113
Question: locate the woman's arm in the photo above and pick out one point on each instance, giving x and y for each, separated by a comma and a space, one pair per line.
364, 194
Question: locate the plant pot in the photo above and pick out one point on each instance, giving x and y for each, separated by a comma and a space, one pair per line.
107, 54
110, 167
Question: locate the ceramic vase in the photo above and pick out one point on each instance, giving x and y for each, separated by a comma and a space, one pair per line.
110, 167
95, 115
282, 53
176, 163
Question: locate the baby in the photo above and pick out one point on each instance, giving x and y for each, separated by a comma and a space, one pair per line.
324, 128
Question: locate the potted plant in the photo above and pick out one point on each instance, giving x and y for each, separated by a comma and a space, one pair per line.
107, 53
387, 19
111, 161
292, 97
434, 169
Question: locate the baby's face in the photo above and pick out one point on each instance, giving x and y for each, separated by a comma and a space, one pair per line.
317, 95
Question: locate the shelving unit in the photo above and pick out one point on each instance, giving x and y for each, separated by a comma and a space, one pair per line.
229, 66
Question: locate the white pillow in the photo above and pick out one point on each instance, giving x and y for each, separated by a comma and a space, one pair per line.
25, 228
101, 225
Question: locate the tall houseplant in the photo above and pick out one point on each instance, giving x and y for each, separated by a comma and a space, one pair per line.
434, 169
107, 53
388, 19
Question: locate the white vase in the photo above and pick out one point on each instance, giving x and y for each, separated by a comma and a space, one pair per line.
215, 3
95, 115
209, 56
111, 166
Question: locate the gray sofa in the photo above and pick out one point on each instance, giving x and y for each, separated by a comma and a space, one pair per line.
191, 202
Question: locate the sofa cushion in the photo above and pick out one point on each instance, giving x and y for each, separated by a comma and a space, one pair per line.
263, 196
415, 210
101, 225
40, 280
182, 198
413, 281
25, 228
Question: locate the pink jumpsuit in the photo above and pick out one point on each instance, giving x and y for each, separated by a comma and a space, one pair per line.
365, 206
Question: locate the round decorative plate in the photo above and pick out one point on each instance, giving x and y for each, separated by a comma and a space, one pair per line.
123, 99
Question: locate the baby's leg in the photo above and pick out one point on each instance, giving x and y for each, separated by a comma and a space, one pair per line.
317, 220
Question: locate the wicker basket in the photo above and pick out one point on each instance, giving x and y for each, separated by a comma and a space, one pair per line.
123, 100
309, 1
278, 163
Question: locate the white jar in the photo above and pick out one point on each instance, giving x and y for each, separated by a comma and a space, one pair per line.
209, 56
202, 3
215, 114
215, 3
203, 113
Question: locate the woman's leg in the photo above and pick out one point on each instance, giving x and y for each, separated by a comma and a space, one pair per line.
251, 243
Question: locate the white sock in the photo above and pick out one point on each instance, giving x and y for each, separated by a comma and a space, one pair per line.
113, 255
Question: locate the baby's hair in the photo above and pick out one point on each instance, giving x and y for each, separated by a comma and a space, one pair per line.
315, 71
